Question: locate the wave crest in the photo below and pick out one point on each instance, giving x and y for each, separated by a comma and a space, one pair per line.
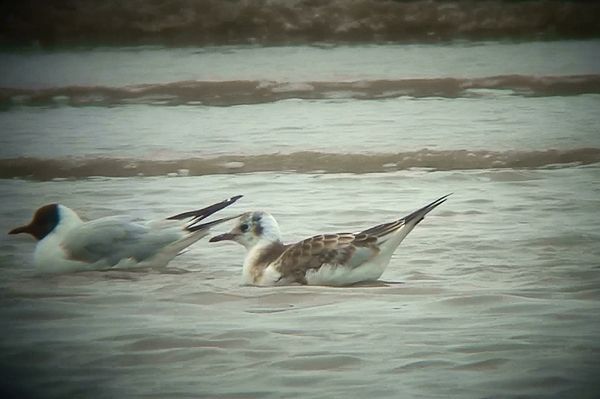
302, 162
227, 93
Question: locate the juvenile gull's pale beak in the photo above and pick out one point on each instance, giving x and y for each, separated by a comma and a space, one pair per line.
223, 237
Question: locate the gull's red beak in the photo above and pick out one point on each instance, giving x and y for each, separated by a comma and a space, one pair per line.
22, 229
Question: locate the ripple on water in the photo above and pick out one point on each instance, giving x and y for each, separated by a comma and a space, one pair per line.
319, 362
492, 347
422, 364
482, 365
37, 315
158, 357
475, 300
162, 343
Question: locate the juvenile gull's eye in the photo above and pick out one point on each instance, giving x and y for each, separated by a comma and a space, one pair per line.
245, 227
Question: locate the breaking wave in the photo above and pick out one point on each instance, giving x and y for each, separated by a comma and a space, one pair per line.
284, 22
301, 162
226, 93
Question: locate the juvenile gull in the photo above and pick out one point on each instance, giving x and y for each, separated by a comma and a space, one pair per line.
326, 259
66, 243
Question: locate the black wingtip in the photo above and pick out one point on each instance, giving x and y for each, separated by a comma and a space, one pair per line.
420, 213
203, 213
208, 225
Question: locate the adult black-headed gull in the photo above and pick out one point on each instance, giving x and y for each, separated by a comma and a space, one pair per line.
328, 259
66, 243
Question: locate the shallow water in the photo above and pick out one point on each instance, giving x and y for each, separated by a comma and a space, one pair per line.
495, 123
494, 295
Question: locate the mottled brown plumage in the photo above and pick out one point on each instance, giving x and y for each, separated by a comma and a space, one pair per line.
314, 252
331, 259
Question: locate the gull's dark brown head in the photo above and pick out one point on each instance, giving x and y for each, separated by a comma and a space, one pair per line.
45, 219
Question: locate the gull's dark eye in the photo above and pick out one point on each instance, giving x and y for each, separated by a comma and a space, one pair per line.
245, 227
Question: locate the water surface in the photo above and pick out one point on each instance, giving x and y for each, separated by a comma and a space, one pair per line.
495, 294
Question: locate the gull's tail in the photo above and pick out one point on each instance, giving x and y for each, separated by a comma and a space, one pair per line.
419, 214
391, 234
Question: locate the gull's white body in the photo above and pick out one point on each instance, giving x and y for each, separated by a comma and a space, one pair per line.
334, 259
52, 255
116, 242
326, 275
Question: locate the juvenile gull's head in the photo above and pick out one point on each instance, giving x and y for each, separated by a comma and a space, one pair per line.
251, 229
